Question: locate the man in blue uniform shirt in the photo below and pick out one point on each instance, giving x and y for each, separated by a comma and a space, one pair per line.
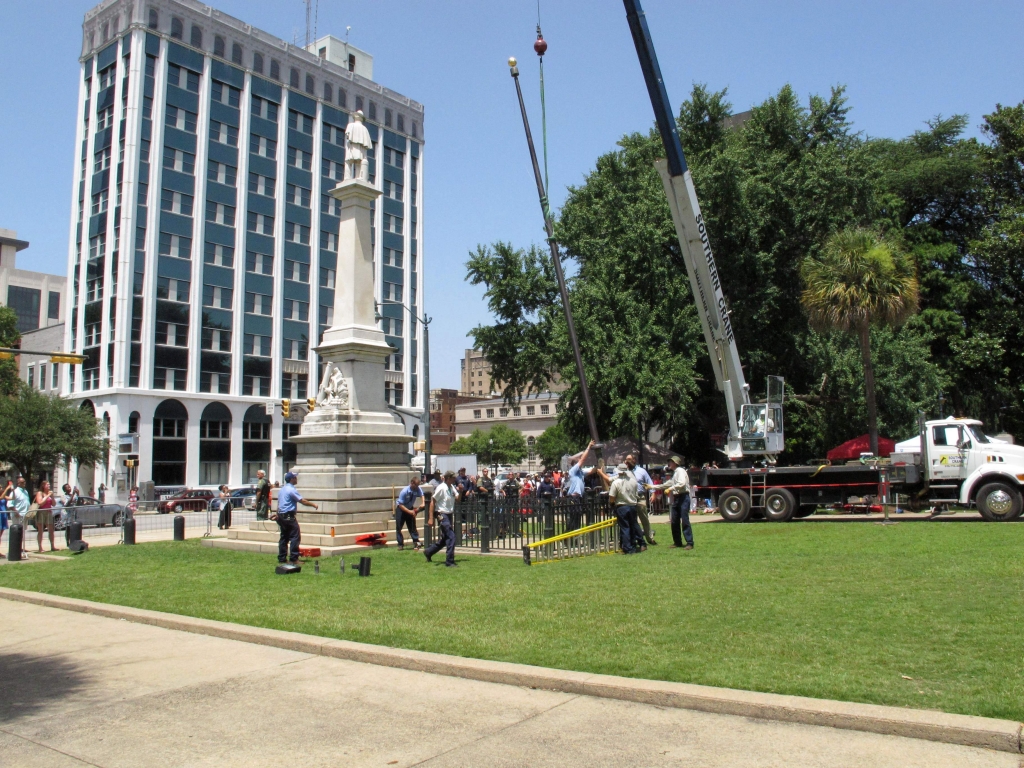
405, 513
288, 500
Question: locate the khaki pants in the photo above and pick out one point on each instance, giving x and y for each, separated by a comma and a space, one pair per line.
645, 521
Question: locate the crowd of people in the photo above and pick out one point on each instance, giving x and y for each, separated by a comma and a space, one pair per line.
19, 507
632, 491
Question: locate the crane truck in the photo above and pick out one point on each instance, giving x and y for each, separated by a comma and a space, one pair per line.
951, 462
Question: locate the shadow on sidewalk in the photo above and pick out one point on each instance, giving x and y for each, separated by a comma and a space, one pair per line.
30, 682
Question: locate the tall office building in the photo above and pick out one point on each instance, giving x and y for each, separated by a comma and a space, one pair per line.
203, 245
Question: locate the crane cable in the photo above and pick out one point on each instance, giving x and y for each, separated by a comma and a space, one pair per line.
540, 46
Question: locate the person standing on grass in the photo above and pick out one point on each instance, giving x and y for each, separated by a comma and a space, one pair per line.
5, 498
44, 515
442, 504
643, 481
679, 515
575, 489
262, 495
622, 496
287, 503
405, 512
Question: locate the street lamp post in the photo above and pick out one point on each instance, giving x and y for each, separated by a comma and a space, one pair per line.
490, 456
426, 373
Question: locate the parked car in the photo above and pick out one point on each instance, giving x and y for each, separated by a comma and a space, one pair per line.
239, 497
187, 501
88, 511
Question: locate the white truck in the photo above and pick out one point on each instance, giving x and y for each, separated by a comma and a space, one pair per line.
953, 462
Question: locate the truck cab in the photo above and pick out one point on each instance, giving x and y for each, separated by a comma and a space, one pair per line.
962, 465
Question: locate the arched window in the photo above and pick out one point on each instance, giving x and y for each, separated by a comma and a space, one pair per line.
309, 84
154, 18
415, 130
236, 53
214, 445
359, 103
373, 112
170, 443
255, 442
342, 98
275, 70
293, 78
177, 28
387, 118
197, 37
257, 62
328, 92
218, 45
133, 422
401, 123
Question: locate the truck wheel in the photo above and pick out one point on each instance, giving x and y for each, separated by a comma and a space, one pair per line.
779, 505
999, 502
734, 505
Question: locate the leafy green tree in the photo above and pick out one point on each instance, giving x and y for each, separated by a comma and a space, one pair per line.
42, 431
857, 281
554, 443
9, 337
509, 446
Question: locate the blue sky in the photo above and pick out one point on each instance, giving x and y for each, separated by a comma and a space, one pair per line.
902, 63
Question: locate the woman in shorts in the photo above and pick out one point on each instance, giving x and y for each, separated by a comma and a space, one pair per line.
44, 514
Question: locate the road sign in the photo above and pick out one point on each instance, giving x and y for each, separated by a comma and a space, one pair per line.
270, 407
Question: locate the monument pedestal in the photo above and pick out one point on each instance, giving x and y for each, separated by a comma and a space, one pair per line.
353, 451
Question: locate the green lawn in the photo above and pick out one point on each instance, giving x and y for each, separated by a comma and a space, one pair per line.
920, 614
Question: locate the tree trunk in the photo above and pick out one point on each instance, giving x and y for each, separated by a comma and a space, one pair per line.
869, 386
640, 437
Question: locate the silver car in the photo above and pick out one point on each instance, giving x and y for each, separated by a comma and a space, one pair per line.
87, 511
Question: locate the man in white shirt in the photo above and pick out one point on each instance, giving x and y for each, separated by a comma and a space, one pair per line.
442, 504
679, 514
20, 502
622, 496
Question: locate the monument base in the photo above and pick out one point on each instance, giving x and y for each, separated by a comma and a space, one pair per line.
354, 479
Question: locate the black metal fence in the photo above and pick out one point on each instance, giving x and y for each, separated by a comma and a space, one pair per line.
503, 523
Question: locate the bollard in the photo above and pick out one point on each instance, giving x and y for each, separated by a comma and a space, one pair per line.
74, 532
526, 554
342, 558
15, 542
129, 531
363, 567
179, 528
485, 530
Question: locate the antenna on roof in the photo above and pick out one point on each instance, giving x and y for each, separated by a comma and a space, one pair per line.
312, 20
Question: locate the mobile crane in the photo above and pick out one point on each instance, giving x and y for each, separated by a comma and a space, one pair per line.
951, 462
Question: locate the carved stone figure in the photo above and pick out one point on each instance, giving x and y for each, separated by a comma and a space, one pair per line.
357, 145
333, 389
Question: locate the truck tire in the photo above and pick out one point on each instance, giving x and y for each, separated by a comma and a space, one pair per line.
999, 502
779, 505
734, 505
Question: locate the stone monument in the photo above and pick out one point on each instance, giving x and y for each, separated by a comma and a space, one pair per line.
352, 450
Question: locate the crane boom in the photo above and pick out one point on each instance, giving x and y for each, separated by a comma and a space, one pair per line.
695, 245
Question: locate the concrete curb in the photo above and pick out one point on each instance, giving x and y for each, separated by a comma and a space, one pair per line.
966, 730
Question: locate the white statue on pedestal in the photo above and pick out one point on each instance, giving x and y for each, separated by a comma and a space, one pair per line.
333, 389
357, 145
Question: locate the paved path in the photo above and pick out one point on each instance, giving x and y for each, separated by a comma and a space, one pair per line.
79, 690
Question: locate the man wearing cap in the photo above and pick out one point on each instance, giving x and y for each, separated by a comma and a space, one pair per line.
288, 500
643, 481
442, 503
679, 514
622, 496
262, 495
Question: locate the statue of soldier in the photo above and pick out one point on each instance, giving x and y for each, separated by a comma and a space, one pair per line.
357, 147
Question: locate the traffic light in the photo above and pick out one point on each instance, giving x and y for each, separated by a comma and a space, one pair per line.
286, 408
311, 403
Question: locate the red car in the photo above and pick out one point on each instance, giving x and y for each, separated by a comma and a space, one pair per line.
187, 501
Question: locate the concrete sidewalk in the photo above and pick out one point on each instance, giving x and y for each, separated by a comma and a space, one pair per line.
78, 689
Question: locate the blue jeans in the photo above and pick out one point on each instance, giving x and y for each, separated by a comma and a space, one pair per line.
445, 540
679, 517
627, 524
290, 535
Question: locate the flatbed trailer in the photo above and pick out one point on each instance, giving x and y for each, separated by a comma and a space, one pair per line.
781, 493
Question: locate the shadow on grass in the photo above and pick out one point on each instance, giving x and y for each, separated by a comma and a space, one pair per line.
32, 682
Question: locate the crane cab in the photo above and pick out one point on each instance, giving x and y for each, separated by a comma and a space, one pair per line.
761, 424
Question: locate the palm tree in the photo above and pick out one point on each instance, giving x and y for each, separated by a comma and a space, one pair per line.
860, 279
